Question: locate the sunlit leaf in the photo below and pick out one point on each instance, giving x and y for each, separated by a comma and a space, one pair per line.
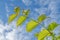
42, 39
36, 35
11, 18
42, 18
58, 37
20, 20
53, 36
17, 10
25, 12
31, 25
43, 34
52, 26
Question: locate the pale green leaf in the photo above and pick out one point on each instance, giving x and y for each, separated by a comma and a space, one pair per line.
43, 34
36, 35
25, 12
31, 25
41, 18
20, 20
11, 18
58, 37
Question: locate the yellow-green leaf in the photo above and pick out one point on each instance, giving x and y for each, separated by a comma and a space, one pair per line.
31, 25
11, 18
20, 20
17, 10
58, 37
52, 26
36, 35
43, 34
26, 12
42, 18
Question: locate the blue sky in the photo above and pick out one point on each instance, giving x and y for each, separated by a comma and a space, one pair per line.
49, 7
7, 6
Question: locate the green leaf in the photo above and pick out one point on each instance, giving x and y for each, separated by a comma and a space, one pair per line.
11, 18
53, 36
17, 10
26, 12
43, 34
20, 20
31, 25
52, 26
58, 37
42, 18
36, 35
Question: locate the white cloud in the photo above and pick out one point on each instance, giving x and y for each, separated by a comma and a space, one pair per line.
1, 28
27, 2
7, 31
2, 37
10, 32
11, 35
1, 21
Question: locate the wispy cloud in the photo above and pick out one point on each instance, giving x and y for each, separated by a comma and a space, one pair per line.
44, 2
11, 0
6, 7
41, 10
7, 31
12, 4
27, 2
11, 35
11, 32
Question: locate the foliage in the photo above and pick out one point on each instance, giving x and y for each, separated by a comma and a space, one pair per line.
32, 24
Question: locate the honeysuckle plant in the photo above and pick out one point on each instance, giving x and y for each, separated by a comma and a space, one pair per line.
32, 24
